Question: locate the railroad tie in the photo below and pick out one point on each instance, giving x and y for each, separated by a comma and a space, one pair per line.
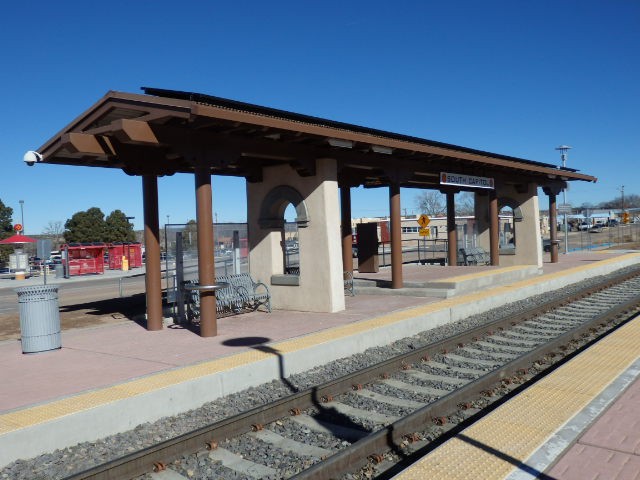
283, 443
322, 426
398, 402
409, 387
238, 464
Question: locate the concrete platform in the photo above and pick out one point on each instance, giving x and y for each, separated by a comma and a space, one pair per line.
116, 377
428, 281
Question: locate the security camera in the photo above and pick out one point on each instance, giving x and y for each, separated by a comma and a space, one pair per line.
31, 158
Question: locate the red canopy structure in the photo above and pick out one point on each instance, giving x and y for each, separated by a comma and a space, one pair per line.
13, 239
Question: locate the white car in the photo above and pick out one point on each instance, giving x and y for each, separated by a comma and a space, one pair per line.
584, 226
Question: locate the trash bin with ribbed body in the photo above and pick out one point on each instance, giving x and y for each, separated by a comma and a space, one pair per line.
39, 318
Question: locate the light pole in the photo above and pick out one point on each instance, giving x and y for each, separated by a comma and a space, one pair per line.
563, 155
21, 202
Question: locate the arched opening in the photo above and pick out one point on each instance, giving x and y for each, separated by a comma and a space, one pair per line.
290, 242
509, 215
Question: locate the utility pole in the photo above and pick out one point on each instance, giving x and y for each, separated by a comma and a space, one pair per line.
622, 192
21, 202
563, 156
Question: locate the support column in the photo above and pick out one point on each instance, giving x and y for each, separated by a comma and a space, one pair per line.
494, 229
553, 227
153, 284
206, 268
396, 236
347, 239
452, 234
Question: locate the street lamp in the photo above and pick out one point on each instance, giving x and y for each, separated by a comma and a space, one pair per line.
563, 155
21, 202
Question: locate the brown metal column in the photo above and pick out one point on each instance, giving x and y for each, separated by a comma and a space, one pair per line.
347, 239
153, 283
206, 267
553, 226
396, 236
494, 229
452, 234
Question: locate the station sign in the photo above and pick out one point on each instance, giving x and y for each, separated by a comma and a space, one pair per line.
460, 180
17, 227
563, 208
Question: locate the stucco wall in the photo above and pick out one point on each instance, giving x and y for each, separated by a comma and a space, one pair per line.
528, 249
320, 287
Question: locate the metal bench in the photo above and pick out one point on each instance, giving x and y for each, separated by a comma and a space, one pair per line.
240, 295
348, 283
475, 256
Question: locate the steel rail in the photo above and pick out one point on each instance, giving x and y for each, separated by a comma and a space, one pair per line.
154, 457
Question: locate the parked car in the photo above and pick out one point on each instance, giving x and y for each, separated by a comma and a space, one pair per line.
612, 222
584, 226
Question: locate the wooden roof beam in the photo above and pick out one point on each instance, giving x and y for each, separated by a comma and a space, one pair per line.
134, 131
85, 144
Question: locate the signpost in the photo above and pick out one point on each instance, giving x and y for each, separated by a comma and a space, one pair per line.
423, 221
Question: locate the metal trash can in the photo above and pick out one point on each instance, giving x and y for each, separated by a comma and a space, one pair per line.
59, 271
39, 318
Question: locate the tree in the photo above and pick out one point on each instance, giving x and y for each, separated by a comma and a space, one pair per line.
190, 236
630, 201
6, 230
465, 204
88, 226
118, 228
54, 231
431, 202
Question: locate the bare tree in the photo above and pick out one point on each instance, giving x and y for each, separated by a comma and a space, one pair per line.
431, 202
465, 204
54, 231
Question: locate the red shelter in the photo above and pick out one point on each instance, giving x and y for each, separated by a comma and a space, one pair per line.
131, 251
84, 258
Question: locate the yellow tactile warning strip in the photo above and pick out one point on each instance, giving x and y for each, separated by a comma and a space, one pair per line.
509, 435
85, 401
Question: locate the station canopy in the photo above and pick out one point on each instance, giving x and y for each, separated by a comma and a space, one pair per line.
162, 132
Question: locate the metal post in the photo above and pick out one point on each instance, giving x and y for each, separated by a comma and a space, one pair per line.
206, 267
452, 234
21, 202
153, 281
563, 149
396, 236
494, 229
347, 234
553, 226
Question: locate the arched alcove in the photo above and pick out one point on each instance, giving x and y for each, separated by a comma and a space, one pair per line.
275, 203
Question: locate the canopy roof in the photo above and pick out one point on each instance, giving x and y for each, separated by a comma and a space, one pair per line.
17, 239
163, 132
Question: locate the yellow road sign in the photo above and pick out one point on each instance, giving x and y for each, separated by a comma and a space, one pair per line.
424, 232
423, 220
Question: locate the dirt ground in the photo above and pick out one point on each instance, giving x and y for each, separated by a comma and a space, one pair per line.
92, 314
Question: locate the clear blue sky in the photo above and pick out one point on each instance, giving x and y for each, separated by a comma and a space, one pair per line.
516, 78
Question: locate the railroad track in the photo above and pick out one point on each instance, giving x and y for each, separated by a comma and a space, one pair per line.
369, 420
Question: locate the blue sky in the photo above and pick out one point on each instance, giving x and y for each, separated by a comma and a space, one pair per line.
511, 77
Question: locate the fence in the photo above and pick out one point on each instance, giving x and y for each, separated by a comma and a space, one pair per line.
601, 237
180, 256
